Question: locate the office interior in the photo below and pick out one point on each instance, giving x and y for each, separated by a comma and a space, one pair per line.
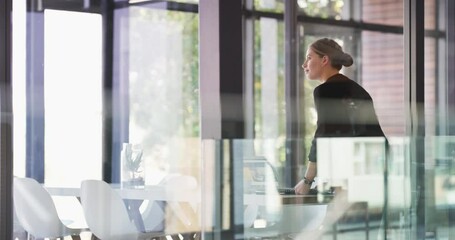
154, 119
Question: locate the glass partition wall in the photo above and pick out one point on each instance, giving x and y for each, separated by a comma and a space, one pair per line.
107, 121
107, 91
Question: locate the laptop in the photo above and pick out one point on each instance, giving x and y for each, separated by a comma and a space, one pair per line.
261, 177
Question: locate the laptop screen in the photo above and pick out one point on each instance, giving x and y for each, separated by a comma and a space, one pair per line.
258, 174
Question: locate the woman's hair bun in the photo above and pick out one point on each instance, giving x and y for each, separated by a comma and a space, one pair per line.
346, 60
330, 48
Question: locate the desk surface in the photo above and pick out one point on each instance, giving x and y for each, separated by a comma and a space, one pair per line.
296, 212
277, 199
160, 193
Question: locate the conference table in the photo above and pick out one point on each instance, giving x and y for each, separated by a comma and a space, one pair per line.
192, 196
296, 212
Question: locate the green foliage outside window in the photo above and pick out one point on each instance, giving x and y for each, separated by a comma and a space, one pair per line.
184, 26
322, 8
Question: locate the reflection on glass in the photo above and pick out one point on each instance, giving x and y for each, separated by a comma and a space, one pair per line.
349, 197
355, 165
443, 152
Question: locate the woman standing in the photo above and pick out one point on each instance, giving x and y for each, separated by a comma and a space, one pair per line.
344, 108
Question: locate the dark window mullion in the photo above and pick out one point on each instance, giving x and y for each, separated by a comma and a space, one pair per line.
450, 36
292, 90
108, 166
6, 113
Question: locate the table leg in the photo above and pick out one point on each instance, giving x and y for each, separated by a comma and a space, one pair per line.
134, 213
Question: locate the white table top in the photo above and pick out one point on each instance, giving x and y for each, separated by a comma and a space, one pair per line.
152, 192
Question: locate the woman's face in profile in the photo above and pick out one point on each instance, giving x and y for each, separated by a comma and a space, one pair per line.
312, 65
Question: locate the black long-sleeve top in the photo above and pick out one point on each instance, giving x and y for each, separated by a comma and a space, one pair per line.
344, 109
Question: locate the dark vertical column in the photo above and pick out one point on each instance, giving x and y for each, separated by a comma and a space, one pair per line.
35, 92
450, 36
292, 90
107, 10
414, 57
6, 125
232, 107
231, 69
248, 43
450, 68
221, 69
222, 106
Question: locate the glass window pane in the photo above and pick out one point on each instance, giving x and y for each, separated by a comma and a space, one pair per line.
431, 18
73, 104
183, 1
379, 68
382, 74
438, 107
337, 9
270, 111
163, 87
269, 5
383, 12
163, 72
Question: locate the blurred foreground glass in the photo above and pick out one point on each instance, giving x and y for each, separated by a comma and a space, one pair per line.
354, 194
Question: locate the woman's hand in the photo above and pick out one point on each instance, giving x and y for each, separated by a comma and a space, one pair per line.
302, 187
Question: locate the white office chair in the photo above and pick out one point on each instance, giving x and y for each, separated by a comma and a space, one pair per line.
179, 218
250, 214
175, 183
36, 211
106, 213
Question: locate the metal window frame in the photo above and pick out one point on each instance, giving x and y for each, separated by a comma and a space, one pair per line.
6, 125
292, 94
450, 58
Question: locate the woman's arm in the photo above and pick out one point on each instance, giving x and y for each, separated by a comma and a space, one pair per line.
303, 187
